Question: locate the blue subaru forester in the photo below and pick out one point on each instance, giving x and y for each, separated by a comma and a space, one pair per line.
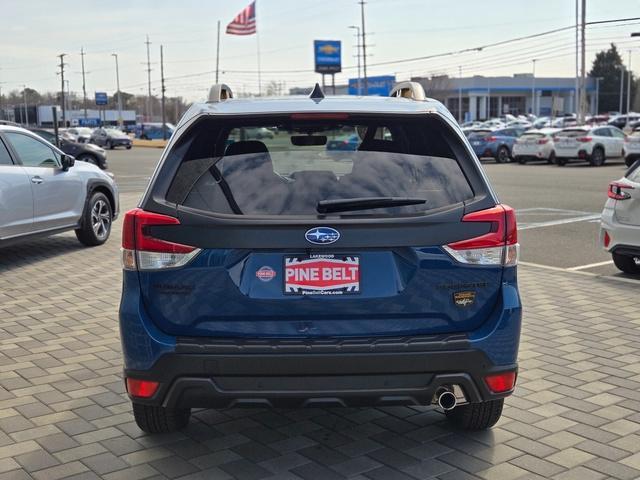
271, 273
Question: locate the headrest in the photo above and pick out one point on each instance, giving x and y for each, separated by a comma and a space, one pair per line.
245, 147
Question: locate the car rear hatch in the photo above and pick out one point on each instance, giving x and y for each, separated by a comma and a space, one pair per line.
277, 239
626, 193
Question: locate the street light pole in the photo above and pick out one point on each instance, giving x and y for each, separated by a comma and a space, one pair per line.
460, 95
533, 89
597, 112
621, 68
628, 90
357, 29
119, 93
364, 49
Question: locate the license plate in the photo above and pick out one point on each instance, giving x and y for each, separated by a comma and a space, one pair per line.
475, 143
322, 275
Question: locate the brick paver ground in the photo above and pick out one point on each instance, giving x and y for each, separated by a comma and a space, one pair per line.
63, 412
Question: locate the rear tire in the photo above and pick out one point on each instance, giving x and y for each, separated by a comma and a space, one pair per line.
561, 162
109, 145
152, 419
597, 157
522, 160
552, 158
96, 221
626, 264
476, 416
628, 161
502, 155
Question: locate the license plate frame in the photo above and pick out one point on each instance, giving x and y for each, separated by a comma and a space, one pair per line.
321, 275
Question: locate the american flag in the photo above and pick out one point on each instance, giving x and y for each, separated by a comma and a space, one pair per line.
245, 22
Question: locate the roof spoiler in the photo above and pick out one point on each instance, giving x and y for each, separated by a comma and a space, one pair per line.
412, 90
219, 92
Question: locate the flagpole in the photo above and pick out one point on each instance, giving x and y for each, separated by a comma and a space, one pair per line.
218, 53
258, 45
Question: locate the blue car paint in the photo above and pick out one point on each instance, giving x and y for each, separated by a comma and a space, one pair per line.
248, 307
484, 148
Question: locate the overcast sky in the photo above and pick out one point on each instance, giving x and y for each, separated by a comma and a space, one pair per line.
36, 31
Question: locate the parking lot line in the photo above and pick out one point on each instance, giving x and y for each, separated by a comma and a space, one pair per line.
590, 265
563, 221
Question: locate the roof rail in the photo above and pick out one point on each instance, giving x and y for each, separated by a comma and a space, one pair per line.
412, 90
219, 92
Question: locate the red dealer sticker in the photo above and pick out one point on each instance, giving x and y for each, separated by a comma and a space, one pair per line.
322, 275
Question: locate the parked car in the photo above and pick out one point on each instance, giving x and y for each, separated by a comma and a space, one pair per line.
80, 134
273, 278
45, 192
632, 147
535, 145
473, 124
346, 143
110, 138
620, 121
85, 152
591, 144
153, 131
496, 143
523, 124
493, 123
620, 222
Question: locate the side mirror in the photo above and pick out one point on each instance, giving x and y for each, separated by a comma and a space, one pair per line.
67, 162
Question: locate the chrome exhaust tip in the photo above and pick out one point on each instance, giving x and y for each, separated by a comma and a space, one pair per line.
447, 400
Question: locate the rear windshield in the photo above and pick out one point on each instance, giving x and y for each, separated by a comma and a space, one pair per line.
529, 136
479, 133
571, 133
295, 167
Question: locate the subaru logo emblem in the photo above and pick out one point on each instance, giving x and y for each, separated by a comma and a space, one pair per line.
322, 235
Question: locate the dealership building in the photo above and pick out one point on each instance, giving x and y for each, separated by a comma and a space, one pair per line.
486, 97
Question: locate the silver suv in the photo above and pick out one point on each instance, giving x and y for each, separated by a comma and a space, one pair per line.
43, 191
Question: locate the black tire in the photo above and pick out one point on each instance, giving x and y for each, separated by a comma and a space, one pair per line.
128, 147
561, 162
597, 157
96, 221
502, 155
109, 145
160, 419
626, 263
552, 158
87, 157
628, 161
476, 416
522, 160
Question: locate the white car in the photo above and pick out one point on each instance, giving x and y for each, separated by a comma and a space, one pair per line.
535, 145
593, 144
620, 222
632, 147
519, 124
80, 134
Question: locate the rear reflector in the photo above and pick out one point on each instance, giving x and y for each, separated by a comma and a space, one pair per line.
606, 239
140, 250
584, 139
141, 388
497, 247
617, 191
543, 141
501, 382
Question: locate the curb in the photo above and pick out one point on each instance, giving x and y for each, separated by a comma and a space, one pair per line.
149, 143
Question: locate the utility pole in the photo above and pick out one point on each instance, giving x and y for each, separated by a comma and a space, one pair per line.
364, 48
533, 89
357, 29
149, 103
583, 72
26, 112
576, 95
597, 95
84, 85
218, 54
164, 126
628, 90
119, 94
621, 68
460, 95
64, 112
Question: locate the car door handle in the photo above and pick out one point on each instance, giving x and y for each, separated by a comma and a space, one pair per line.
37, 179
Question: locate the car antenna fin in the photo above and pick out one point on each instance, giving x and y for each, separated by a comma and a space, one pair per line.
317, 93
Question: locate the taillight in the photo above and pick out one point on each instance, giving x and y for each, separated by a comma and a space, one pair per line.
142, 251
617, 191
490, 139
606, 240
141, 388
584, 139
501, 382
497, 247
543, 141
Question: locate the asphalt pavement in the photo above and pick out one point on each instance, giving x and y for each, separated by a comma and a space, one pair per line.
557, 207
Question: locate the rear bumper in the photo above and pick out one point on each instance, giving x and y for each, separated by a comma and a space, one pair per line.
279, 379
624, 238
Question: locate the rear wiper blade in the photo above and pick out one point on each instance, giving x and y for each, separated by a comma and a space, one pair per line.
365, 203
